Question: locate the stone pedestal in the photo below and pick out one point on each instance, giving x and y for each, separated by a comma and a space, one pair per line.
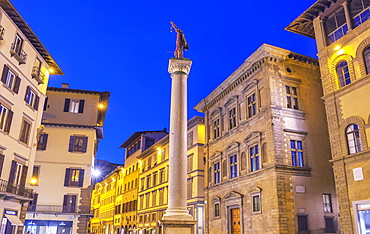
177, 218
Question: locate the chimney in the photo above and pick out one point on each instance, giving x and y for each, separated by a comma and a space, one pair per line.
65, 85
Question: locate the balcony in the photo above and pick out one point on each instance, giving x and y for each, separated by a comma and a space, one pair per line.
37, 75
2, 31
55, 209
9, 191
19, 54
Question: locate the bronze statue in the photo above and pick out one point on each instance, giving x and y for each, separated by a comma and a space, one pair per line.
181, 43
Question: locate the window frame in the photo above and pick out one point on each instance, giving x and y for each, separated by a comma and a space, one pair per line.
327, 203
42, 141
217, 172
256, 207
366, 58
25, 131
357, 143
297, 153
76, 139
342, 69
216, 128
233, 166
252, 109
6, 118
291, 93
255, 158
70, 177
232, 117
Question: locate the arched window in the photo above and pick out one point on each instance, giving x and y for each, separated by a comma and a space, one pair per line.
343, 74
367, 59
353, 139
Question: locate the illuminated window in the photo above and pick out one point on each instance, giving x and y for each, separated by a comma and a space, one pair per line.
353, 139
41, 143
233, 166
291, 97
78, 144
217, 210
336, 26
252, 105
255, 158
25, 132
343, 74
367, 59
232, 118
6, 116
74, 177
256, 203
296, 151
216, 128
10, 79
74, 106
359, 10
326, 201
31, 98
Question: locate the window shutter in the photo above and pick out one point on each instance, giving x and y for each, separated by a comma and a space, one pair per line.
65, 200
45, 140
5, 74
8, 121
36, 104
81, 178
66, 105
1, 163
71, 140
16, 84
46, 103
27, 93
84, 146
67, 177
12, 172
81, 106
23, 176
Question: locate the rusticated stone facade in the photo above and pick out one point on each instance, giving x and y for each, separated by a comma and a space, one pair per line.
267, 150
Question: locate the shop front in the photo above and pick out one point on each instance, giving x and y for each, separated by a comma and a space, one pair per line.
362, 216
48, 227
9, 222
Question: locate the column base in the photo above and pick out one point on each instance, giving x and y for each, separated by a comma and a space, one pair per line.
178, 226
177, 214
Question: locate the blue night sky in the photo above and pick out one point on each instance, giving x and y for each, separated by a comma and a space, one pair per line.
124, 46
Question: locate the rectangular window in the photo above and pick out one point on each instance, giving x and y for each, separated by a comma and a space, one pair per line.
141, 202
190, 163
74, 105
155, 176
35, 175
255, 158
148, 182
297, 153
25, 132
154, 198
216, 128
78, 144
190, 139
6, 116
216, 171
161, 176
147, 200
31, 98
1, 163
69, 203
326, 201
41, 143
233, 166
10, 80
329, 225
291, 97
232, 118
17, 45
336, 26
161, 196
74, 177
359, 11
302, 223
32, 205
256, 201
217, 210
142, 183
252, 105
189, 188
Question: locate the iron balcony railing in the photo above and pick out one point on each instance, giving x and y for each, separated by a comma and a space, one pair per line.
9, 189
56, 209
19, 54
2, 31
37, 74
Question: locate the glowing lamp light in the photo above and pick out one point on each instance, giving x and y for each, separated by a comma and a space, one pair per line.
33, 181
101, 106
159, 149
341, 51
51, 70
337, 48
95, 173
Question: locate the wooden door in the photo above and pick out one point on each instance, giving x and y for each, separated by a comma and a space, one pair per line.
235, 221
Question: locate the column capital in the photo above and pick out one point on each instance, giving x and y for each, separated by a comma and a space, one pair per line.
179, 65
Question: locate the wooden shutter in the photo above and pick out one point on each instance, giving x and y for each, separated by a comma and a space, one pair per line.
8, 121
81, 178
27, 93
71, 140
46, 103
1, 163
17, 84
23, 176
84, 146
65, 201
66, 105
12, 176
36, 104
67, 177
5, 74
44, 141
81, 106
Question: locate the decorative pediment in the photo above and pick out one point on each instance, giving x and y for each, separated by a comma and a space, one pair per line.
233, 195
216, 112
216, 154
255, 190
252, 136
249, 86
233, 145
231, 100
216, 200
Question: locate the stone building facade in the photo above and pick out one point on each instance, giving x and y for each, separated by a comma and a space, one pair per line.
342, 33
267, 150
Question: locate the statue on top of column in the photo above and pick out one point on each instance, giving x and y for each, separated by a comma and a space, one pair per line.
181, 43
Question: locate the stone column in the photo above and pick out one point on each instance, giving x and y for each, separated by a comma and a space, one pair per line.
177, 218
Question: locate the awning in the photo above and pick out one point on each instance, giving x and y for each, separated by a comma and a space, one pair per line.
14, 220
